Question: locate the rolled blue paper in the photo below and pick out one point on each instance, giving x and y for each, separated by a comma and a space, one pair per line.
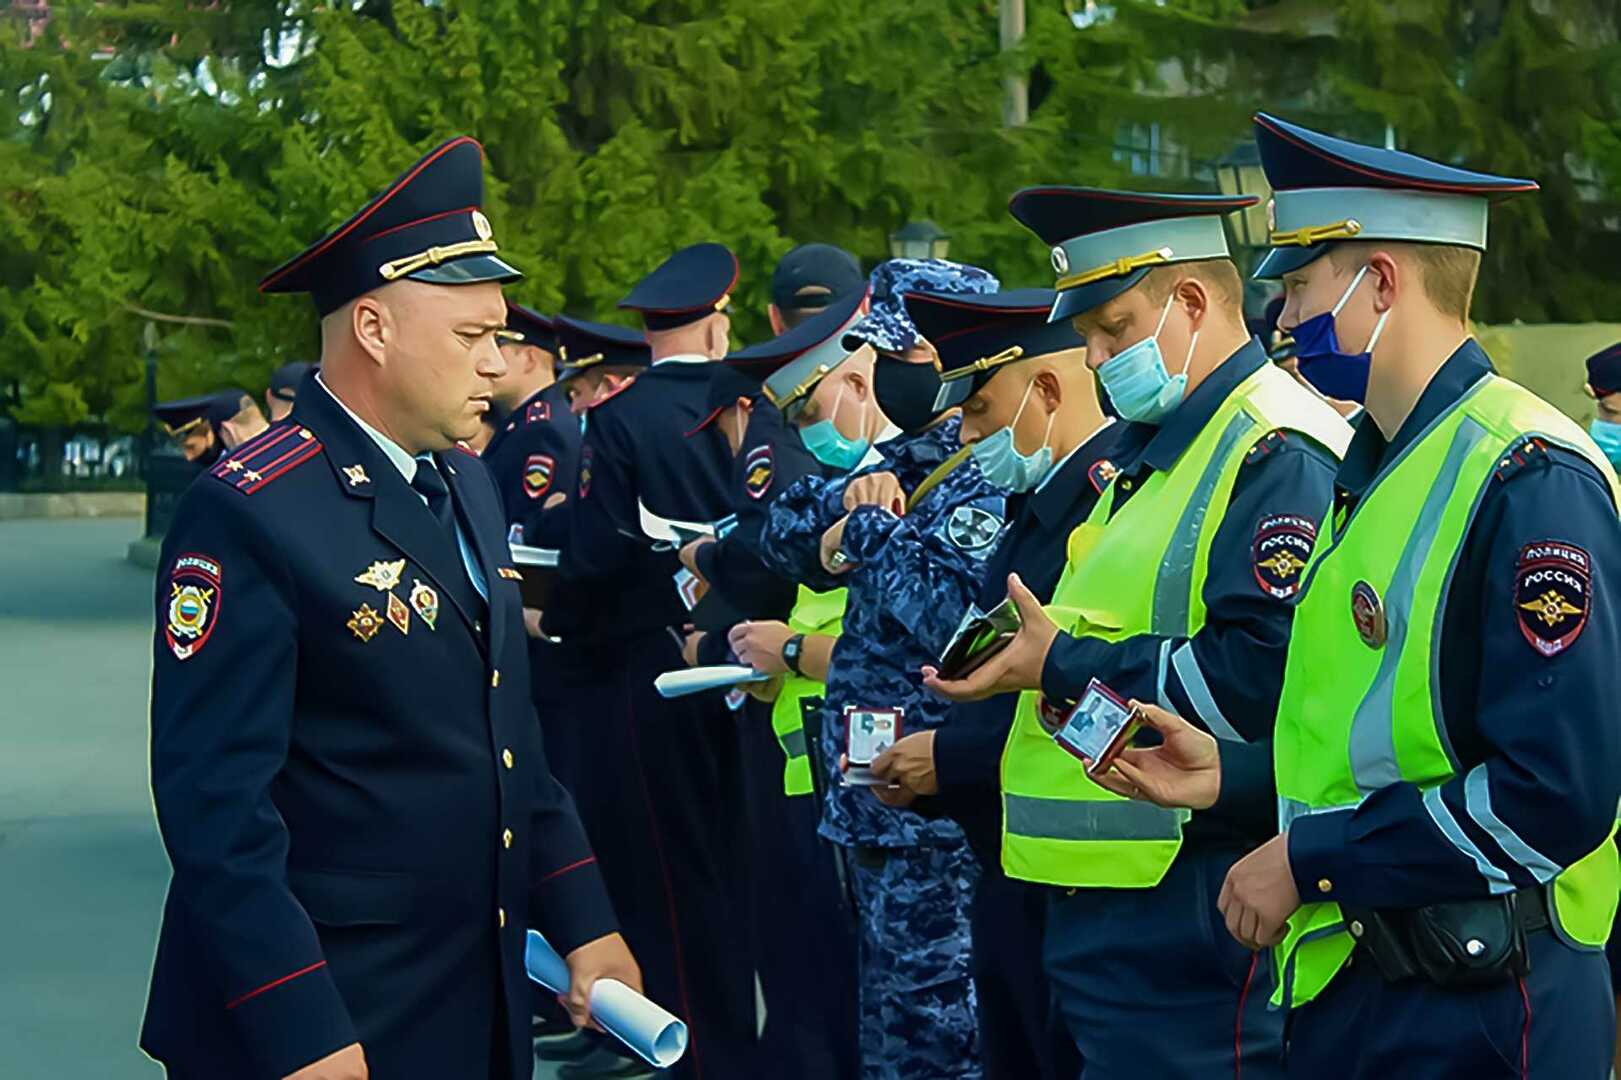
657, 1036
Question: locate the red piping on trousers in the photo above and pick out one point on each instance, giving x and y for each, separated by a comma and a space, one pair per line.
1238, 1025
1525, 1034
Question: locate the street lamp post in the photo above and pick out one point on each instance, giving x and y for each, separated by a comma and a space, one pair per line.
1240, 173
149, 339
919, 240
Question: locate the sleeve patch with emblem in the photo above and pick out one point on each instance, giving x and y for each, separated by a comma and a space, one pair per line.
972, 529
1553, 587
758, 470
194, 604
585, 472
1282, 547
537, 412
537, 475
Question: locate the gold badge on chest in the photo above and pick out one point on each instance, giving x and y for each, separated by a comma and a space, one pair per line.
1368, 612
365, 622
399, 614
382, 576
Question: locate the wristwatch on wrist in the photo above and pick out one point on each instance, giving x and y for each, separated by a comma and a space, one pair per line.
791, 650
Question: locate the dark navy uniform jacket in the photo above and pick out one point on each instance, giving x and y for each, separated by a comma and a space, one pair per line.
968, 749
771, 459
534, 455
1534, 737
1237, 657
636, 449
348, 772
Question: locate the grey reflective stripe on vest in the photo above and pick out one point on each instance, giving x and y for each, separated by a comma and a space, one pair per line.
1373, 728
1174, 584
793, 743
1064, 819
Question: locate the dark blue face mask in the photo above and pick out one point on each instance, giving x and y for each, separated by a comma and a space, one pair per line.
1335, 373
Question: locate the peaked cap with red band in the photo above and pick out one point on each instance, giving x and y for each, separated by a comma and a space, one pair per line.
428, 225
1328, 190
977, 334
692, 284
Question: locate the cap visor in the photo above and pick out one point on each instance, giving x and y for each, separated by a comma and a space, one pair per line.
1280, 261
468, 271
1080, 300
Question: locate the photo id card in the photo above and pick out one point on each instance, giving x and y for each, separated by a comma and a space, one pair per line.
868, 733
1098, 728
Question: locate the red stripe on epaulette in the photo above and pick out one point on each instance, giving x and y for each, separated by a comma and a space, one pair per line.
232, 464
282, 466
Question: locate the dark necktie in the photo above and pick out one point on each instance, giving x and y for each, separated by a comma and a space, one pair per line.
431, 486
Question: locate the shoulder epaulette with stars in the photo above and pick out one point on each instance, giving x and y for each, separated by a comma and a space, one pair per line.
1529, 452
273, 454
1271, 441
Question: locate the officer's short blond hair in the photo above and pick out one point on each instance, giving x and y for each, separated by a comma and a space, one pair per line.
1220, 276
1446, 272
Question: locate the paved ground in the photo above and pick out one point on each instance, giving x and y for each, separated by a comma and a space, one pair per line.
81, 871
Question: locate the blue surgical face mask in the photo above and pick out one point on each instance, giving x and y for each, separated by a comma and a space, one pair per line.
828, 444
1136, 380
1607, 433
1334, 372
1002, 463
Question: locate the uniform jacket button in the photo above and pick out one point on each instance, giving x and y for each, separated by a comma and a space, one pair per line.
501, 917
506, 838
495, 678
1325, 886
506, 758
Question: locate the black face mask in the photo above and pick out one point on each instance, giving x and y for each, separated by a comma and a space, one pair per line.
906, 392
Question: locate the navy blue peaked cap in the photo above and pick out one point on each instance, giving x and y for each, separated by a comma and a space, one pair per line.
693, 283
428, 225
1104, 242
1328, 190
1604, 371
978, 335
183, 414
583, 345
527, 326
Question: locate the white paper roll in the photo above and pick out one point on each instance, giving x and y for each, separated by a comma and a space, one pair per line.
657, 1036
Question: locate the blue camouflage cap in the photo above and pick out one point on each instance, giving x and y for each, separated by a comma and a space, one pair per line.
887, 327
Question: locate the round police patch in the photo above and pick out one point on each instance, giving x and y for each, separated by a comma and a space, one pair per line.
1553, 587
758, 470
971, 528
1279, 554
1368, 614
194, 604
537, 475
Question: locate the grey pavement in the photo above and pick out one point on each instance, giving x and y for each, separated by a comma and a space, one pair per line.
82, 872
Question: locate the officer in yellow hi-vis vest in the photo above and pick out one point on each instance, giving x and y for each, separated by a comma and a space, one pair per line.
1179, 589
1447, 774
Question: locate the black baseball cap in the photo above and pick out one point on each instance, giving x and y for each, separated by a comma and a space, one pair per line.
815, 276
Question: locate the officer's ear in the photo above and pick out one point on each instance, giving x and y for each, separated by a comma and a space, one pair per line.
1193, 296
775, 315
372, 324
1049, 388
855, 384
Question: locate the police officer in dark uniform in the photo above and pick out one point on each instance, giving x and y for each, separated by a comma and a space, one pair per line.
196, 424
346, 766
666, 771
1005, 363
534, 454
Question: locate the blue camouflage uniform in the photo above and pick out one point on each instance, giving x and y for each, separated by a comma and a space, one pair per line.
913, 876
